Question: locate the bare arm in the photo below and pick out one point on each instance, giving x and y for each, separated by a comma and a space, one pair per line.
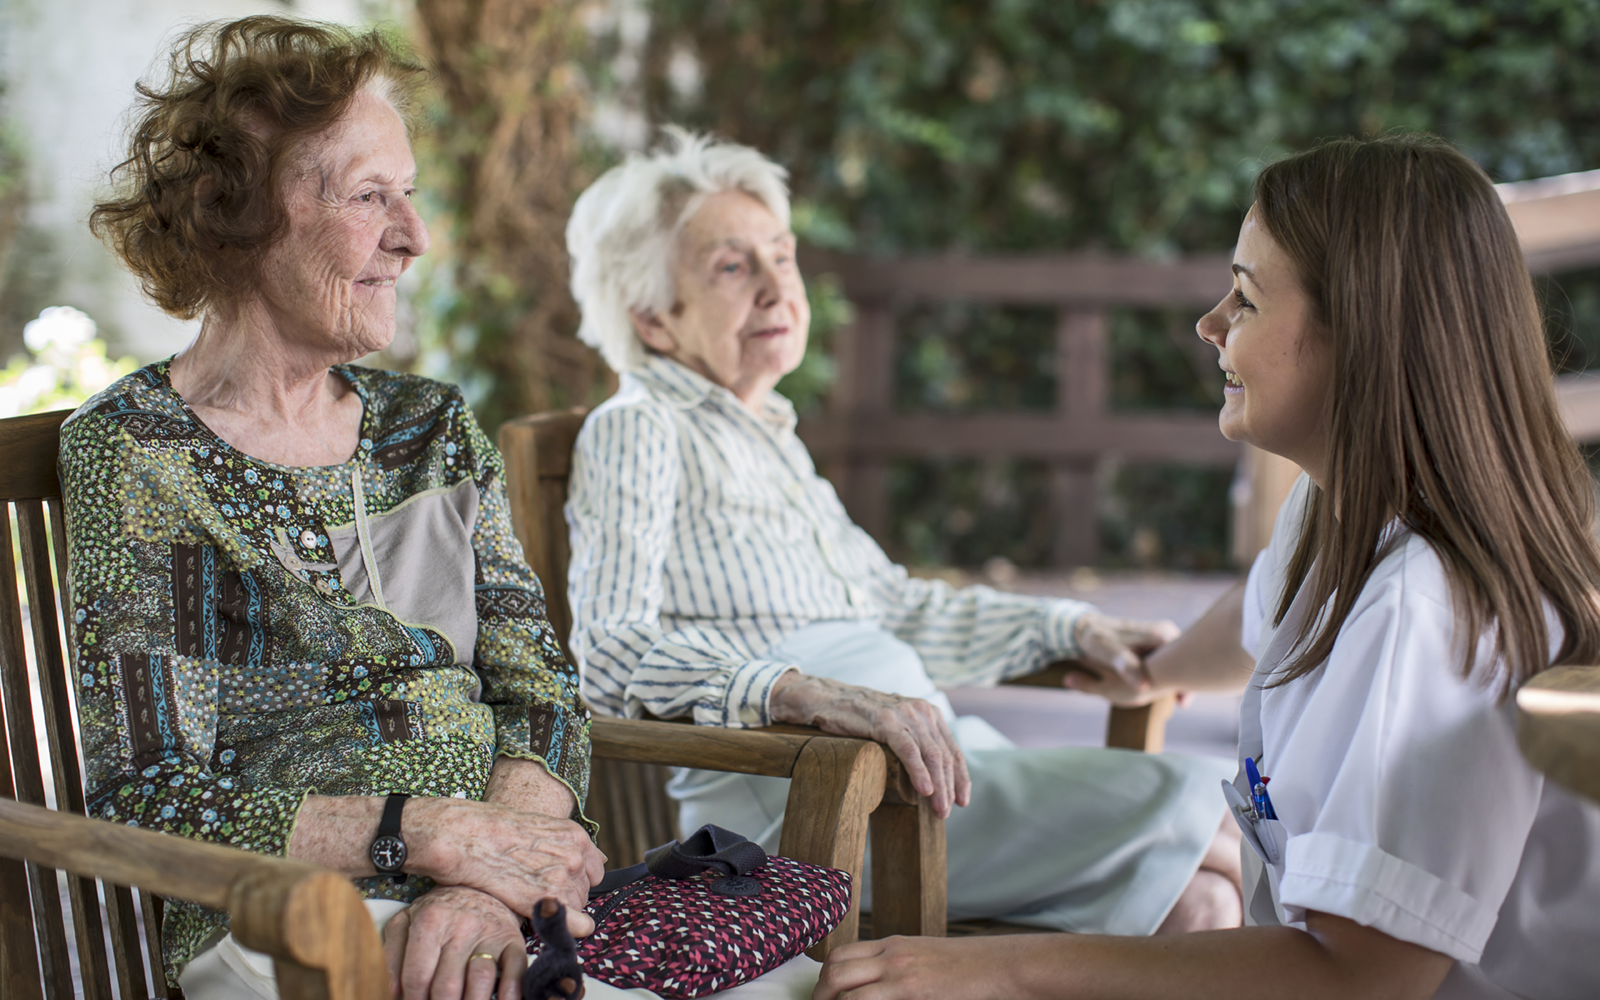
1207, 657
527, 786
1337, 960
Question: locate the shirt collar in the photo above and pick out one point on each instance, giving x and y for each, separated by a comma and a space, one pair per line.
684, 389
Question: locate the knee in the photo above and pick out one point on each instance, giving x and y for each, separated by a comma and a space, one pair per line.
1209, 902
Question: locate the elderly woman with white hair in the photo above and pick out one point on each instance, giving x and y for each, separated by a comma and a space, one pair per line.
715, 574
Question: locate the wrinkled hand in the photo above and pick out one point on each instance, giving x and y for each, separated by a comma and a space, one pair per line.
429, 947
517, 857
1112, 657
912, 727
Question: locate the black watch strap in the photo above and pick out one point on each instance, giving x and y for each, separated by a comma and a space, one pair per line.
388, 850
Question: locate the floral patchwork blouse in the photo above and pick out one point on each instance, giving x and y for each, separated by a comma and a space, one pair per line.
245, 634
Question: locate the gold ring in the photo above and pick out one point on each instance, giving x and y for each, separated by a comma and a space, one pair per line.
483, 954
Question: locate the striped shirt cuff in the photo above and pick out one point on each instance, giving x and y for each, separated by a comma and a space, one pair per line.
745, 701
1060, 624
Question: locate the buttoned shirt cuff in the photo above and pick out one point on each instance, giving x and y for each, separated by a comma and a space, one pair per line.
1362, 883
1060, 626
745, 701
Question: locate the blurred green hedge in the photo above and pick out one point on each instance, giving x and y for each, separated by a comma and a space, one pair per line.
1132, 126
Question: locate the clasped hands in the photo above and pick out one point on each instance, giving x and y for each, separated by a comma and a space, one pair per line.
493, 865
1112, 665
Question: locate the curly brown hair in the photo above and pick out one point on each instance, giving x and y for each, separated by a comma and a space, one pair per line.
200, 196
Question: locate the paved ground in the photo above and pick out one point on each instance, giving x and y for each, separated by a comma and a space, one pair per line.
1036, 717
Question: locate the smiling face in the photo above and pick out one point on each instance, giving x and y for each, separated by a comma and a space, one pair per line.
329, 285
1279, 371
741, 315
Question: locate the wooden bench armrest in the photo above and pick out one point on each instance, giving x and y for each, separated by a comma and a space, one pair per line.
679, 744
310, 920
1558, 726
1142, 728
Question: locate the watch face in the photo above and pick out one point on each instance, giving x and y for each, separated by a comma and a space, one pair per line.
388, 854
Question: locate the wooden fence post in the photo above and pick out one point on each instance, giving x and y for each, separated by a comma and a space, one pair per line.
864, 395
1082, 377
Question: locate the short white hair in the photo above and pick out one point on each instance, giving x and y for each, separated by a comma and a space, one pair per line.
621, 234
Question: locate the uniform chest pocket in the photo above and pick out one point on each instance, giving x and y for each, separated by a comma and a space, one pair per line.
1266, 837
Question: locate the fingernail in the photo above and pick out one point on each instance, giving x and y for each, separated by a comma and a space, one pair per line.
548, 908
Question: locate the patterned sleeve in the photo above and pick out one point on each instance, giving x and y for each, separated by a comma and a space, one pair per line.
137, 529
621, 507
527, 680
975, 635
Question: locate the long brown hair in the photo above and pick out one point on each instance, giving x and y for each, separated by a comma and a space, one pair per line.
1443, 413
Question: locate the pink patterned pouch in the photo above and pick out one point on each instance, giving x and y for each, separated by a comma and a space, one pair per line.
705, 915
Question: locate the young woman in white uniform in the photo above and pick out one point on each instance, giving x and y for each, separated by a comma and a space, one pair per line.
1383, 333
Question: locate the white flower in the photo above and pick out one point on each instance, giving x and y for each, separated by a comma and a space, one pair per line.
59, 326
69, 364
37, 381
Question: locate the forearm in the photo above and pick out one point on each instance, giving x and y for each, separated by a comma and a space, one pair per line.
1207, 657
1239, 964
526, 786
336, 831
977, 635
518, 857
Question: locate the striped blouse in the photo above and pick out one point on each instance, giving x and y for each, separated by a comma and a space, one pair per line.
702, 536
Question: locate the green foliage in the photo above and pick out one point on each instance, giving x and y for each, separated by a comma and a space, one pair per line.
962, 512
955, 357
1133, 126
1136, 125
1157, 362
1165, 515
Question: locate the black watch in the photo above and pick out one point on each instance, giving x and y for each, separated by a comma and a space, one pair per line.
388, 850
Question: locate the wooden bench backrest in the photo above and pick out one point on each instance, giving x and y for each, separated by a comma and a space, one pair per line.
44, 765
627, 799
538, 456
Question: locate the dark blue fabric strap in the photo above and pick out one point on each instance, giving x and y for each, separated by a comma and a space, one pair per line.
711, 847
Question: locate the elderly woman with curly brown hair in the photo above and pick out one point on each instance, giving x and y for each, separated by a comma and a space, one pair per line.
302, 625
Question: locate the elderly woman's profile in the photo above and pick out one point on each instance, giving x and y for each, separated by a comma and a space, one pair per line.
714, 574
301, 623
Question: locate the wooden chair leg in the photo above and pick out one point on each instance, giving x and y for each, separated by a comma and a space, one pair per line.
1143, 728
909, 878
834, 787
19, 962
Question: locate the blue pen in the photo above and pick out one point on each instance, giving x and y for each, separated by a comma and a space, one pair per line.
1258, 790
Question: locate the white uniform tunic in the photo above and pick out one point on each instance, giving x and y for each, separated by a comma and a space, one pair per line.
1402, 801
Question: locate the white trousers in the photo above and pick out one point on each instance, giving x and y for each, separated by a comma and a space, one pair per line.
1074, 839
230, 971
